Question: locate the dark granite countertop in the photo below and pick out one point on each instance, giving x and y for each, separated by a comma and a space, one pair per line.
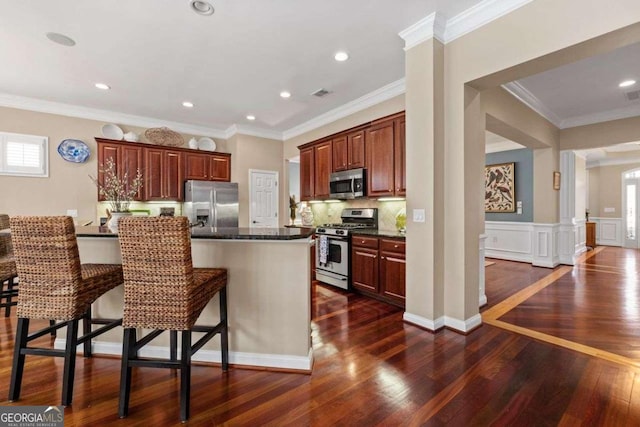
380, 233
218, 233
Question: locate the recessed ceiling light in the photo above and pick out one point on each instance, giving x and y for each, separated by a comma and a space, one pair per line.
102, 86
250, 117
201, 7
627, 83
187, 104
285, 94
61, 39
341, 56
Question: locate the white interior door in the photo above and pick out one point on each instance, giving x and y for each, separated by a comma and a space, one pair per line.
263, 191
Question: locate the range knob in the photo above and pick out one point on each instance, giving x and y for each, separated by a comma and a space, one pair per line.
321, 230
342, 232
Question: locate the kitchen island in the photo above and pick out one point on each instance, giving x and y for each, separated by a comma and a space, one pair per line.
269, 300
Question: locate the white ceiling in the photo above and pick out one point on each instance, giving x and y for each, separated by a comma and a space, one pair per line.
155, 54
585, 91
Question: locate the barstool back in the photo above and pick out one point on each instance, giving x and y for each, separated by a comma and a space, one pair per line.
48, 264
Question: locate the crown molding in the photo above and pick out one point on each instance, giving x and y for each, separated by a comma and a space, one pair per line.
605, 116
432, 26
611, 162
445, 30
252, 131
479, 15
530, 100
372, 98
42, 106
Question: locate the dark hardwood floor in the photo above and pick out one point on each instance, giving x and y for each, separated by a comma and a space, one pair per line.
373, 369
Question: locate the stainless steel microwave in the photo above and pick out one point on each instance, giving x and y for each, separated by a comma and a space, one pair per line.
348, 184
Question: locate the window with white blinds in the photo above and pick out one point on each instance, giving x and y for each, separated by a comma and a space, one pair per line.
24, 155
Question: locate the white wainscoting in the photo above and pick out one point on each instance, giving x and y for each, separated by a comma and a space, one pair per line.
530, 242
609, 231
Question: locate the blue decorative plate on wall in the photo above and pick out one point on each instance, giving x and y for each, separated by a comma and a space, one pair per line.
74, 150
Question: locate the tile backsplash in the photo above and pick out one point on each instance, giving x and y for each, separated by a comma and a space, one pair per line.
330, 212
152, 207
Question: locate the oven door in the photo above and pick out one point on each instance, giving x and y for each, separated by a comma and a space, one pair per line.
337, 256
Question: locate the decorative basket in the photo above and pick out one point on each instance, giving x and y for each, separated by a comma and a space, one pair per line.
164, 136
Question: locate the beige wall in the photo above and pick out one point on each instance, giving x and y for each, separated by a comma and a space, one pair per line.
605, 189
252, 152
601, 134
68, 185
546, 200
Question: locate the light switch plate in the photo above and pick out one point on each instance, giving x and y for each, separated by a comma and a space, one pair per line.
418, 215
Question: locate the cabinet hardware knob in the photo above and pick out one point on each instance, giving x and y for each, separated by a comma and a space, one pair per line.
381, 257
362, 242
395, 246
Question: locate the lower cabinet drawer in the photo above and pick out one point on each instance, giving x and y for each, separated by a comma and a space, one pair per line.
388, 245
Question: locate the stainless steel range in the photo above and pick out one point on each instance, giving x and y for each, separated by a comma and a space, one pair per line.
334, 245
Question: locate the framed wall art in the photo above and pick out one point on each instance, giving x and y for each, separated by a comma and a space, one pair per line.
499, 193
556, 180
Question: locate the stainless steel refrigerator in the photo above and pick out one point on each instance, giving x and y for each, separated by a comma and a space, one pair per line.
211, 204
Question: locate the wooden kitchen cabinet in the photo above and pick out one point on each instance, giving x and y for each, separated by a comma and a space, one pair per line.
164, 169
400, 157
378, 268
322, 169
348, 151
307, 175
364, 264
207, 167
164, 174
385, 150
127, 159
379, 149
378, 146
393, 270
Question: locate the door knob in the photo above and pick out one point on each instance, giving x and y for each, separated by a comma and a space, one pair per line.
255, 222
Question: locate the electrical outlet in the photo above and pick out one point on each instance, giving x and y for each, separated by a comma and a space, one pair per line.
72, 213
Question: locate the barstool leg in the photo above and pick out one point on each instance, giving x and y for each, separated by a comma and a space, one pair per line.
69, 362
224, 334
17, 369
173, 345
128, 353
54, 332
7, 310
185, 375
86, 329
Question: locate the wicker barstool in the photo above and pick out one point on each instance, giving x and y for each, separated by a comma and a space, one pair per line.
54, 285
162, 291
8, 272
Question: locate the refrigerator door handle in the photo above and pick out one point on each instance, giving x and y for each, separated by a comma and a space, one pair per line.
215, 208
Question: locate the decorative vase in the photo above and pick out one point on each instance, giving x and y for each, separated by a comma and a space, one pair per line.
112, 223
307, 216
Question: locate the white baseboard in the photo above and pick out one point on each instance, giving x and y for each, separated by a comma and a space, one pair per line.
463, 326
483, 300
274, 361
423, 322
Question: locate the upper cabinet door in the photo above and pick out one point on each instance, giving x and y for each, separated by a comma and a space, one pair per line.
152, 184
355, 144
196, 166
322, 167
379, 150
173, 176
340, 154
127, 159
400, 158
220, 168
306, 174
